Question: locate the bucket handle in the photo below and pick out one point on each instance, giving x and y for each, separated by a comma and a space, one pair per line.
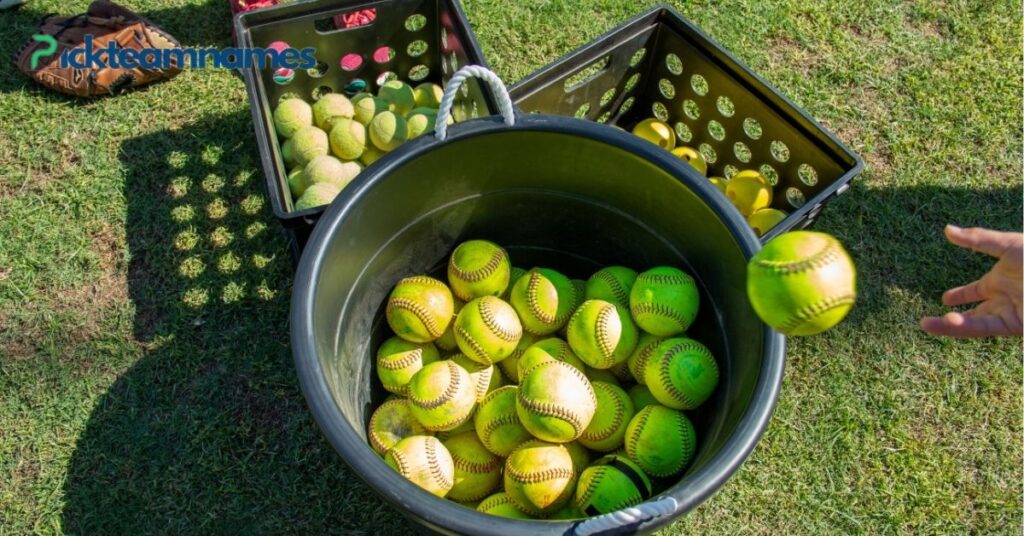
452, 89
620, 521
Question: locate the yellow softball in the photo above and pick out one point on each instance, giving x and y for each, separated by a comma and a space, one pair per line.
544, 299
550, 349
442, 396
501, 505
420, 308
398, 360
487, 330
392, 422
510, 365
477, 470
664, 301
425, 462
611, 483
608, 427
478, 268
682, 373
602, 334
637, 361
497, 424
555, 402
539, 477
446, 342
660, 440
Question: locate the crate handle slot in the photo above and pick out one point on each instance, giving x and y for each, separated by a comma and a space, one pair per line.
452, 89
356, 18
587, 74
618, 521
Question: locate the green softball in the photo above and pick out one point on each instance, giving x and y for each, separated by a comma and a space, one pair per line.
485, 378
608, 427
602, 334
612, 284
637, 361
802, 283
487, 330
682, 373
497, 424
660, 440
611, 483
477, 470
425, 462
500, 504
550, 349
392, 422
664, 301
398, 360
420, 308
544, 300
442, 396
539, 477
510, 365
555, 402
478, 268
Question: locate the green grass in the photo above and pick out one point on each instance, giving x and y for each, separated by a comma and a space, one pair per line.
146, 382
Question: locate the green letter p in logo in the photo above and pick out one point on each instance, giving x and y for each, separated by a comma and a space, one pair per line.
51, 47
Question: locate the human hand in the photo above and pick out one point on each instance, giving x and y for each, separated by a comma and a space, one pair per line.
997, 293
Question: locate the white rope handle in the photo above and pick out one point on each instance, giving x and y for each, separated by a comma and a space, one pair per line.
452, 89
627, 516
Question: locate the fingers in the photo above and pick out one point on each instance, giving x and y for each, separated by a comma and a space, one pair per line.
965, 326
969, 293
982, 240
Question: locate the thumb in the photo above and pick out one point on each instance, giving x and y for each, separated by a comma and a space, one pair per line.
979, 239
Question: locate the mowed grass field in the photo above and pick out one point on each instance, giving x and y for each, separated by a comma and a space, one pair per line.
146, 381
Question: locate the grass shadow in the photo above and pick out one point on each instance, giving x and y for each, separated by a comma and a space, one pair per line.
895, 236
208, 432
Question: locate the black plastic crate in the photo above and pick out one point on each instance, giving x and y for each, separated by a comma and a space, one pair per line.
661, 65
419, 41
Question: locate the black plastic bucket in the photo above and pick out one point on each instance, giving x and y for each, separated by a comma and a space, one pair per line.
558, 192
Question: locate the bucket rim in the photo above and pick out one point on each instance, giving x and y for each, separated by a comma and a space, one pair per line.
444, 515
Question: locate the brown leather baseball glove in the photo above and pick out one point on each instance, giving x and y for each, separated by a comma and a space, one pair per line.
106, 22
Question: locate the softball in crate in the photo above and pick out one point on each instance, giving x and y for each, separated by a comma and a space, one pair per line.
478, 268
442, 396
802, 283
425, 462
477, 470
398, 360
664, 301
660, 440
539, 477
392, 422
555, 402
544, 299
487, 330
510, 365
611, 483
641, 397
420, 308
607, 428
682, 373
497, 424
602, 334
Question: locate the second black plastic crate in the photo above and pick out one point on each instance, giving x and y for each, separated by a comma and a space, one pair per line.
661, 65
414, 41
